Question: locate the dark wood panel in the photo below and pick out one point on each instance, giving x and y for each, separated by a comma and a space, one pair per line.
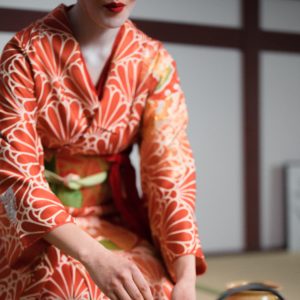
15, 19
192, 34
275, 41
251, 105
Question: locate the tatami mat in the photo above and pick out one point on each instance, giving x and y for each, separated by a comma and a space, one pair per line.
280, 267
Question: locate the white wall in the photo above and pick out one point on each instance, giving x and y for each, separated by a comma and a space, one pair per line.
212, 12
280, 137
280, 15
4, 38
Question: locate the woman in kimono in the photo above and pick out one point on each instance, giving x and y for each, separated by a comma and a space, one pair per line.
78, 88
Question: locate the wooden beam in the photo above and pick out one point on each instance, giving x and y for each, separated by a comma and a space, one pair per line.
15, 19
251, 124
275, 41
192, 34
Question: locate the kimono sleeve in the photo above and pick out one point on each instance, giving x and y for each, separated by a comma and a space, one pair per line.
28, 208
167, 167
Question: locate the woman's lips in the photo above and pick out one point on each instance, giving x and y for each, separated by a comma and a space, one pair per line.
115, 7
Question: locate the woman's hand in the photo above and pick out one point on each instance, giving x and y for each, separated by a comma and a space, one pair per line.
185, 270
117, 277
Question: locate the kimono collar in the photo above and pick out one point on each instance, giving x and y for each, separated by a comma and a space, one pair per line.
58, 20
129, 44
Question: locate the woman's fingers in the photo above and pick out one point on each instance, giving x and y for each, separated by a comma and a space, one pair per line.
112, 296
121, 294
141, 284
124, 280
133, 290
127, 289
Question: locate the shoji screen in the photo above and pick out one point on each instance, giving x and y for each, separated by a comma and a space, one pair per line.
280, 118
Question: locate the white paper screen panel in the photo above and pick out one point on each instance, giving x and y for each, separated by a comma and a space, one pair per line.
213, 12
4, 38
280, 138
280, 15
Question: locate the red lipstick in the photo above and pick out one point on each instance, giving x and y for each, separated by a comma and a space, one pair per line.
115, 7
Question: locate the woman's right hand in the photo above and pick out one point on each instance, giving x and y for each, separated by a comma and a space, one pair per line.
116, 276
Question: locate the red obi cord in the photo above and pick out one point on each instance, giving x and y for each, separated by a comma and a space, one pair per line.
122, 179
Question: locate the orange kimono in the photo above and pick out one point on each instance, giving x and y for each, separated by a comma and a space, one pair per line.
61, 137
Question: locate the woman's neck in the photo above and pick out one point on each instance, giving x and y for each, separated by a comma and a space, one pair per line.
88, 33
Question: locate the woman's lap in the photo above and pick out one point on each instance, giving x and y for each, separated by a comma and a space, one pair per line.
68, 278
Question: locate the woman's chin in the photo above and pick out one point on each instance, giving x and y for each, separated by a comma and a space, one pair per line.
112, 21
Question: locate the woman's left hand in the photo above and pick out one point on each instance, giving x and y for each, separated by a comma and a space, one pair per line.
184, 290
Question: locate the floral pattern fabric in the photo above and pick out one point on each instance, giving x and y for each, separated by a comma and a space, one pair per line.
49, 106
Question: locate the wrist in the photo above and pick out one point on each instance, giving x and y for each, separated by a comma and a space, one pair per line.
187, 277
185, 268
87, 255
